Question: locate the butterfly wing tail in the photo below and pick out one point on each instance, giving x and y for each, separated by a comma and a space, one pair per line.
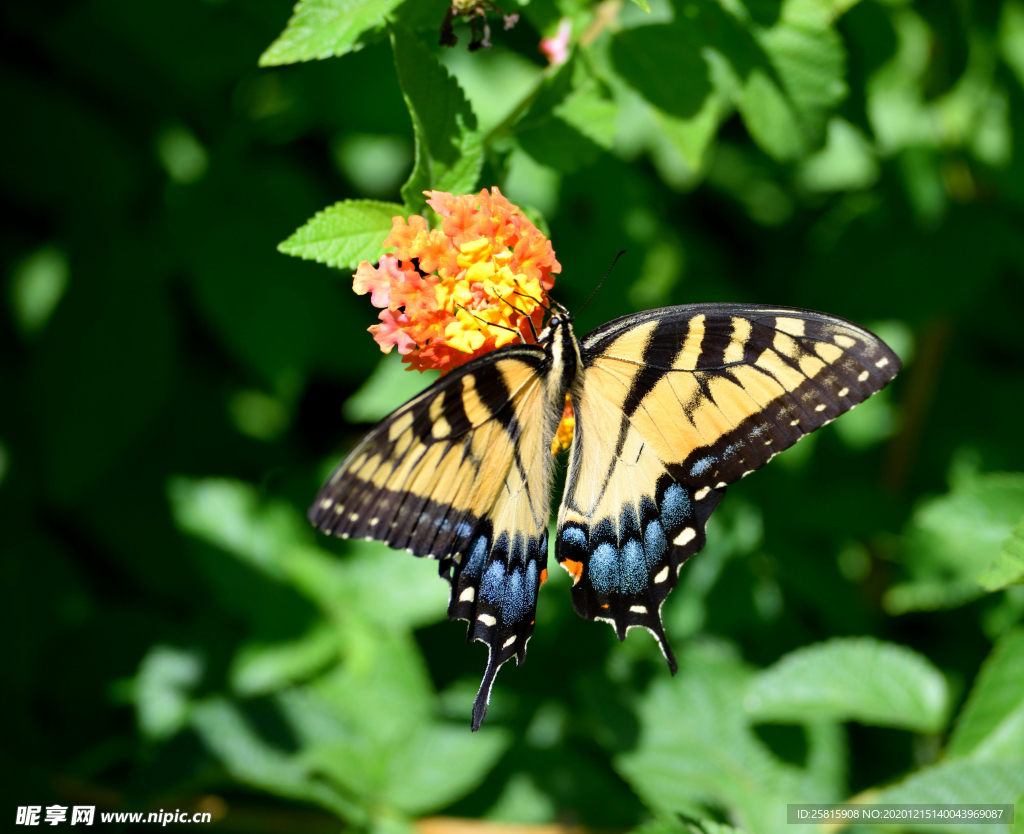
483, 695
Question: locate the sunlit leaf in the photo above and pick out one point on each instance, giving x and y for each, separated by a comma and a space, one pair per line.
859, 679
846, 162
697, 750
324, 28
958, 781
442, 762
808, 55
229, 515
37, 286
1008, 567
591, 114
344, 234
522, 801
250, 760
664, 64
258, 669
991, 724
449, 149
162, 688
1011, 37
956, 539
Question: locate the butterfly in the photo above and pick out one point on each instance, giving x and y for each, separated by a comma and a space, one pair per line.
671, 406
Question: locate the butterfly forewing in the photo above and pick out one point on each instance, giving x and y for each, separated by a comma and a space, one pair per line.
673, 405
462, 473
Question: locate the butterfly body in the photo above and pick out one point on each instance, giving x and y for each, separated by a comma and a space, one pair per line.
671, 406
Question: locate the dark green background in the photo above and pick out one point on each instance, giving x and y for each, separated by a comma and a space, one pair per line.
180, 322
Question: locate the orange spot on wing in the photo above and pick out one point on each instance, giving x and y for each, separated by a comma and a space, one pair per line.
604, 605
575, 569
543, 576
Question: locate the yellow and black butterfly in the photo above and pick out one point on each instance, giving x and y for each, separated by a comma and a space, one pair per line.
671, 407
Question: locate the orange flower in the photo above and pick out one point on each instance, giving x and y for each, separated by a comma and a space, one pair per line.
563, 435
452, 294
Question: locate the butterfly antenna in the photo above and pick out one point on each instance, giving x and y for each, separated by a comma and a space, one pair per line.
489, 324
510, 304
534, 300
529, 320
615, 260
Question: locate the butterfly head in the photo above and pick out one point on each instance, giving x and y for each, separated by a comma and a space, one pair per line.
560, 319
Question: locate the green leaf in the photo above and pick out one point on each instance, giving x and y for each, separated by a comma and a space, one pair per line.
390, 588
697, 749
643, 5
569, 121
522, 801
259, 669
441, 763
554, 89
252, 761
847, 162
161, 690
344, 234
786, 79
959, 781
664, 64
593, 115
559, 145
691, 137
1008, 567
377, 696
768, 116
991, 724
1011, 37
859, 679
383, 586
449, 148
961, 539
808, 55
229, 515
325, 28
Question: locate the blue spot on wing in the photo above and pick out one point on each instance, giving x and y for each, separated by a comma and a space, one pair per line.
654, 544
573, 535
515, 603
476, 557
493, 585
633, 572
604, 569
675, 506
702, 466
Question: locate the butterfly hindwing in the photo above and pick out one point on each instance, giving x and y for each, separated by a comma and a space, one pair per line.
623, 570
671, 407
462, 473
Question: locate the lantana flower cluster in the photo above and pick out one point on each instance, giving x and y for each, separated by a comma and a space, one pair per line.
451, 294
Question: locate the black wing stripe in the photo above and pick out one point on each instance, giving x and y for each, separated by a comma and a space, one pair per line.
660, 352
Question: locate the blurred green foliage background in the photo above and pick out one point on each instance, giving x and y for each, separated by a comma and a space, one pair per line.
175, 389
